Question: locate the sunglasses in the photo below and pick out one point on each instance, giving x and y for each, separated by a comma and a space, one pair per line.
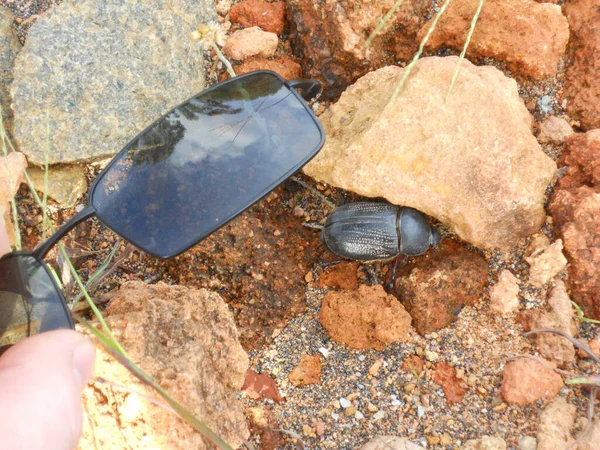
186, 175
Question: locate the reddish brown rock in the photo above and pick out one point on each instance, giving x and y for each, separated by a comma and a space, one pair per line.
265, 423
283, 65
367, 318
582, 158
575, 208
187, 341
340, 276
502, 28
576, 213
414, 364
436, 286
259, 386
582, 83
445, 375
254, 13
525, 381
257, 263
330, 37
308, 371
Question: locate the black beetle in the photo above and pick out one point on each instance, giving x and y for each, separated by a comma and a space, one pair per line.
369, 231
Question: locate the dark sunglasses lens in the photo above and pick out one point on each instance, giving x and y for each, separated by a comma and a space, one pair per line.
30, 302
205, 162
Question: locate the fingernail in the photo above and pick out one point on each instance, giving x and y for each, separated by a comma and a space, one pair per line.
84, 358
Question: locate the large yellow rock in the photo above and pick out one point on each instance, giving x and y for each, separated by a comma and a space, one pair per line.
471, 161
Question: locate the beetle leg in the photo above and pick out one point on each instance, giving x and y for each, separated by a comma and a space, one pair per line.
325, 264
399, 260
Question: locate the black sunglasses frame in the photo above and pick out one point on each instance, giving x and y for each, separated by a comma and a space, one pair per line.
310, 88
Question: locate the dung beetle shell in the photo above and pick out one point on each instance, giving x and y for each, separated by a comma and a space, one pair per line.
367, 231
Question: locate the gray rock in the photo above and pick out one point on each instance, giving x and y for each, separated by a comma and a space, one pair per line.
96, 73
9, 47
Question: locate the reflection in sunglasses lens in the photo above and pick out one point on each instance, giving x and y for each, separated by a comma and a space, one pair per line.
205, 162
29, 300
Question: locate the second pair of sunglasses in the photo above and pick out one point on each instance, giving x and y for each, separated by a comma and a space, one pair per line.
182, 178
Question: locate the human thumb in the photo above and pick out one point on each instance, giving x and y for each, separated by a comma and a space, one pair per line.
41, 379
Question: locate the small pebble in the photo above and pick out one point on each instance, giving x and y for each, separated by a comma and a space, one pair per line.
432, 356
324, 351
298, 211
358, 415
379, 415
527, 443
420, 411
445, 439
433, 440
350, 411
345, 403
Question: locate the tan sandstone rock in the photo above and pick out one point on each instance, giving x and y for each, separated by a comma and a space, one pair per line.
366, 318
66, 184
390, 443
504, 295
251, 42
471, 161
558, 315
485, 443
556, 422
502, 29
187, 341
554, 130
12, 169
546, 264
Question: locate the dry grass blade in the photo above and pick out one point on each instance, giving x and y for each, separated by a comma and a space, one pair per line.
45, 193
299, 442
540, 361
466, 46
106, 271
409, 67
383, 21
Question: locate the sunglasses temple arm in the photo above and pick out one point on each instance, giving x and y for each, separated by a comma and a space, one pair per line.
309, 89
42, 249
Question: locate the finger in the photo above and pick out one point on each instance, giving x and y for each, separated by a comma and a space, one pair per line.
41, 379
4, 244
